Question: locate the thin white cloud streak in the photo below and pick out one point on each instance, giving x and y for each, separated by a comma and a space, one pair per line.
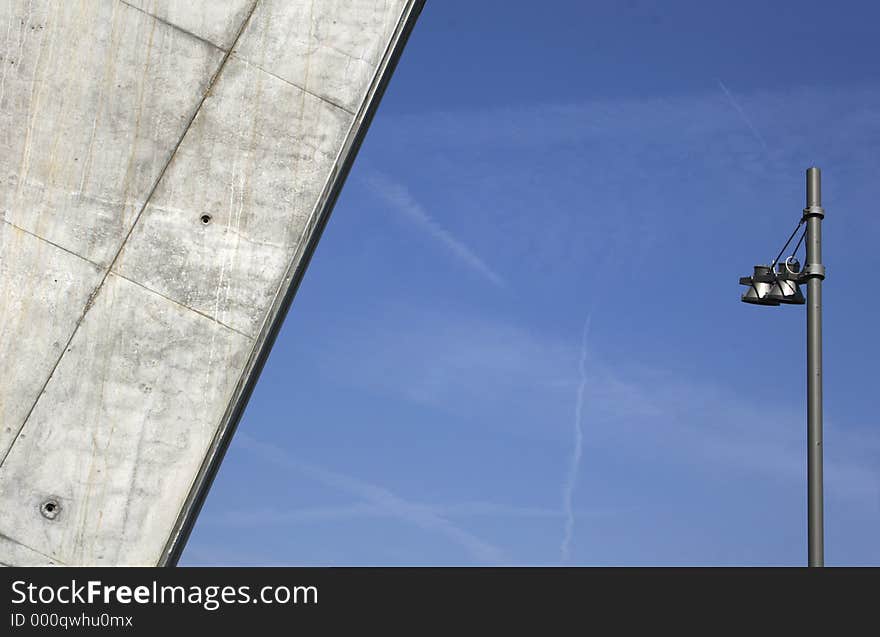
651, 141
633, 407
744, 115
577, 449
493, 358
260, 517
499, 165
423, 516
365, 510
398, 196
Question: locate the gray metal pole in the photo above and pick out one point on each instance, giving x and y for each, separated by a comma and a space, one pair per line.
815, 271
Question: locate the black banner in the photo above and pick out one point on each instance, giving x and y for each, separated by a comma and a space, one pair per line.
416, 600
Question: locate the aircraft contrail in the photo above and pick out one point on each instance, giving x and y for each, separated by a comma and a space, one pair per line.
577, 451
745, 117
398, 196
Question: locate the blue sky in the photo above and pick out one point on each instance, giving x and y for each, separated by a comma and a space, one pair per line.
520, 340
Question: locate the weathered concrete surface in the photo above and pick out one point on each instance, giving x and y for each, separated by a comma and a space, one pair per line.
253, 165
330, 48
43, 290
138, 392
165, 170
93, 98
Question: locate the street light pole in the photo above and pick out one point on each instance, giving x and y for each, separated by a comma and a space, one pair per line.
779, 283
814, 271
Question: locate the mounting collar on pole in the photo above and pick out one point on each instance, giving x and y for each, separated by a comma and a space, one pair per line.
813, 271
814, 211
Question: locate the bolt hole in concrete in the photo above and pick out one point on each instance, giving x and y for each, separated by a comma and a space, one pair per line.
50, 509
206, 219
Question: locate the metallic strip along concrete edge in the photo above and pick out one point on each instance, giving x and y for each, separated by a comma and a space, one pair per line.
290, 284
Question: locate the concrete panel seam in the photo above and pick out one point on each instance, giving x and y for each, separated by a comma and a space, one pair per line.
3, 536
183, 305
54, 245
247, 62
179, 28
